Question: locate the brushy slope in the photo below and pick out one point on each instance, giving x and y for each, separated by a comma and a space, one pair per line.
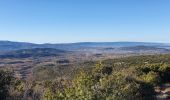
131, 78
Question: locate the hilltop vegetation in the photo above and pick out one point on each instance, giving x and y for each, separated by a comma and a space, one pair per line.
130, 78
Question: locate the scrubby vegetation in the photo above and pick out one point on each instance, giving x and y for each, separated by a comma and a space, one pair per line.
10, 87
130, 78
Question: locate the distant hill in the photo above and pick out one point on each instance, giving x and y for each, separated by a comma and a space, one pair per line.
9, 46
142, 48
36, 52
117, 44
146, 49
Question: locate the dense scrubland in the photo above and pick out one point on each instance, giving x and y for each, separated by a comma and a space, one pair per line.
128, 78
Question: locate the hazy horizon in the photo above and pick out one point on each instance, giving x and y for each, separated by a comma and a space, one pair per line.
84, 42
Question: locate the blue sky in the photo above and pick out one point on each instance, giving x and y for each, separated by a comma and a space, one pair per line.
64, 21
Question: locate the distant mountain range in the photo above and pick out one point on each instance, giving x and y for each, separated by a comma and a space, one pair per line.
10, 49
10, 46
35, 52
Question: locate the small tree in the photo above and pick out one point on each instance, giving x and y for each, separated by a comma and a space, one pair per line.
5, 82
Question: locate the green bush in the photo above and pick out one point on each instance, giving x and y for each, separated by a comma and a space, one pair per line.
151, 78
6, 80
107, 86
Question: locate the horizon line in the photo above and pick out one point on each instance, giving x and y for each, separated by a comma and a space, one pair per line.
82, 42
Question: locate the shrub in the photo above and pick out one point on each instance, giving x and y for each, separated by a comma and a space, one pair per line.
5, 82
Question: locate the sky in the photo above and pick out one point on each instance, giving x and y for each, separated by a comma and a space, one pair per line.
68, 21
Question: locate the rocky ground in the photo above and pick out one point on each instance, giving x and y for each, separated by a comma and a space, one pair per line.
163, 92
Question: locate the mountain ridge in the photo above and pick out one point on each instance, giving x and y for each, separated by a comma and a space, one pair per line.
10, 45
